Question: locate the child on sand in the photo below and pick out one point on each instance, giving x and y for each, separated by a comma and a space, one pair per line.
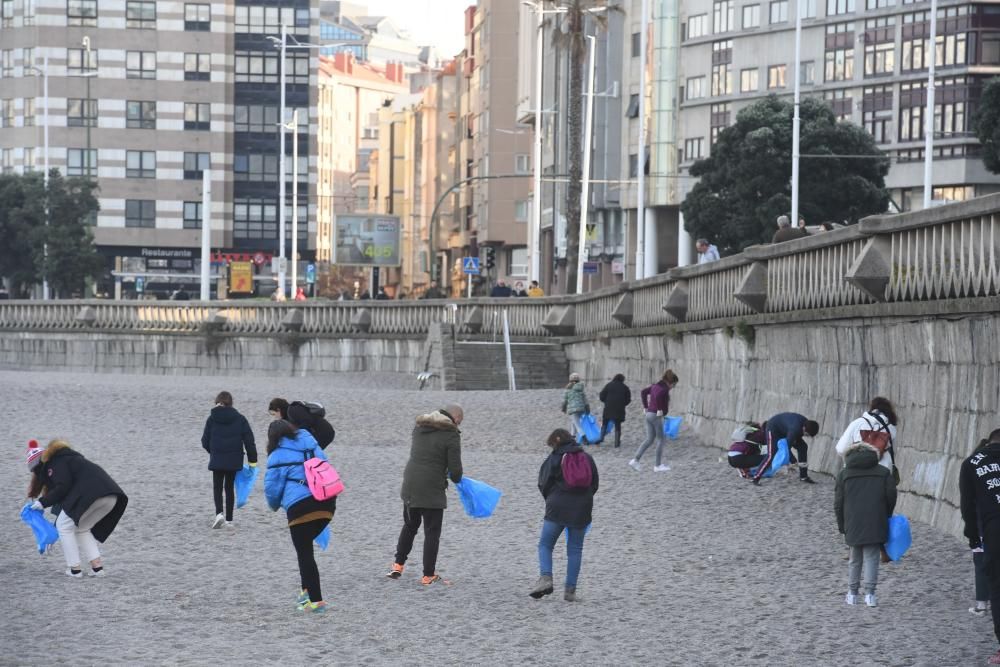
863, 501
227, 434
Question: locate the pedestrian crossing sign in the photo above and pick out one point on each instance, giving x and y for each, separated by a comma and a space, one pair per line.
470, 265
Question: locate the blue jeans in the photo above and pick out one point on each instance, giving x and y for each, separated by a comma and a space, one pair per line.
574, 550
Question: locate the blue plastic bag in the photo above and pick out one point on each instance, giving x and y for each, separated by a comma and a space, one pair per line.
323, 539
609, 427
672, 426
478, 498
781, 459
900, 538
244, 484
590, 429
45, 533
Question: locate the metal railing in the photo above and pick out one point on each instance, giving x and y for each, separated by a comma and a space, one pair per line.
948, 252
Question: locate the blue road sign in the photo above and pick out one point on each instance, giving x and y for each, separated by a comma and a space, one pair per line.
590, 267
470, 265
310, 273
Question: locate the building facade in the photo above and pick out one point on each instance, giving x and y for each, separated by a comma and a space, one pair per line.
144, 97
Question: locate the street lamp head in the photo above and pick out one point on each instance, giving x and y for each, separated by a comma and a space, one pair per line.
86, 43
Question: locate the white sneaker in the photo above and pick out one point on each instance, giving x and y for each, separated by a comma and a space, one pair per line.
74, 575
100, 573
870, 600
635, 465
852, 598
661, 468
979, 610
219, 520
229, 525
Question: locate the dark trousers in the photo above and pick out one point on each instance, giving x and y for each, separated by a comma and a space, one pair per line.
618, 430
412, 517
303, 535
743, 462
991, 545
225, 478
982, 582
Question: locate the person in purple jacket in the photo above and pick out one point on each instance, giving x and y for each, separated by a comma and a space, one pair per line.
656, 400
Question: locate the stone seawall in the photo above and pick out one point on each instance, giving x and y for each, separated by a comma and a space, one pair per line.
942, 374
209, 355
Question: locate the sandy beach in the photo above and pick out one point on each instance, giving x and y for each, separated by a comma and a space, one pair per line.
690, 567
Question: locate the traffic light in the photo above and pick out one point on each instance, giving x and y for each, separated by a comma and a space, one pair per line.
491, 256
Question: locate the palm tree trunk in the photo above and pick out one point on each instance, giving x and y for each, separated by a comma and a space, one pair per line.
574, 142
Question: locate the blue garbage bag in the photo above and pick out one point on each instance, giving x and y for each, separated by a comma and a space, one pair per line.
586, 531
478, 498
672, 426
323, 539
609, 427
244, 484
45, 532
781, 458
900, 538
590, 429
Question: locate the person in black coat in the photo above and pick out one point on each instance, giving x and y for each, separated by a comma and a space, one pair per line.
568, 507
87, 502
227, 435
615, 396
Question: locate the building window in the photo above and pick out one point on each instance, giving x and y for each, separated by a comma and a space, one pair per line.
29, 12
256, 67
633, 165
723, 16
81, 112
7, 63
7, 113
256, 167
297, 67
633, 106
28, 161
950, 108
197, 17
748, 80
522, 209
718, 121
776, 76
751, 17
693, 148
197, 116
140, 213
779, 11
636, 44
195, 164
29, 111
840, 102
880, 59
81, 62
192, 215
268, 20
878, 4
6, 161
140, 164
876, 109
912, 99
255, 218
81, 12
989, 53
522, 164
839, 55
808, 9
141, 15
140, 65
837, 7
722, 75
197, 66
807, 73
697, 26
81, 162
256, 118
695, 90
28, 61
6, 13
140, 115
958, 193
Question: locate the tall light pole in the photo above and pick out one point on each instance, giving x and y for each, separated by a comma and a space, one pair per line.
796, 121
293, 125
640, 208
283, 46
535, 231
44, 71
588, 139
929, 111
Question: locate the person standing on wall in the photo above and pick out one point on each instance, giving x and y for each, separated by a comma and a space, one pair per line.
435, 456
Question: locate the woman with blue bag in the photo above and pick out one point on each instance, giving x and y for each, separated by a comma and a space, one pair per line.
575, 404
568, 481
285, 487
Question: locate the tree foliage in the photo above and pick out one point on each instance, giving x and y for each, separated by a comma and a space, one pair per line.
745, 184
71, 256
988, 124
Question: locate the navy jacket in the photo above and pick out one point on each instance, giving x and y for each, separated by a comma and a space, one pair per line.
564, 505
227, 434
788, 425
615, 396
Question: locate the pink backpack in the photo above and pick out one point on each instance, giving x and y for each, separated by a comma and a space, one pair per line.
322, 479
576, 471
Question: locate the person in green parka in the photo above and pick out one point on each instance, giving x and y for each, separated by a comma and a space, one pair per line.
575, 403
435, 457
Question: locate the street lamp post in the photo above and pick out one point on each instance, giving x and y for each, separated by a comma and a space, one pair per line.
44, 71
293, 125
588, 128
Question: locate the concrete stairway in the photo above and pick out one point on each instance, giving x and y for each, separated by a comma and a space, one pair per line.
484, 366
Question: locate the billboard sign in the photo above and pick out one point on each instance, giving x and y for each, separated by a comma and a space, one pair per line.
366, 240
241, 277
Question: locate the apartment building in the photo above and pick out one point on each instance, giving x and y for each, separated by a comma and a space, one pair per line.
144, 97
868, 59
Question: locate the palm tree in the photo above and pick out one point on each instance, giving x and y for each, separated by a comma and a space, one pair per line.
571, 35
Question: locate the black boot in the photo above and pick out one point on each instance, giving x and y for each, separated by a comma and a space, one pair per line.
804, 475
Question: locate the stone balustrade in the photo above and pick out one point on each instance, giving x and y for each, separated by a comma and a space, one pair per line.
947, 252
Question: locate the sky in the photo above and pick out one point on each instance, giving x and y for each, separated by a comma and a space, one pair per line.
438, 23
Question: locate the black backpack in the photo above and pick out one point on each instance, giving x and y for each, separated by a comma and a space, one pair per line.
312, 417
